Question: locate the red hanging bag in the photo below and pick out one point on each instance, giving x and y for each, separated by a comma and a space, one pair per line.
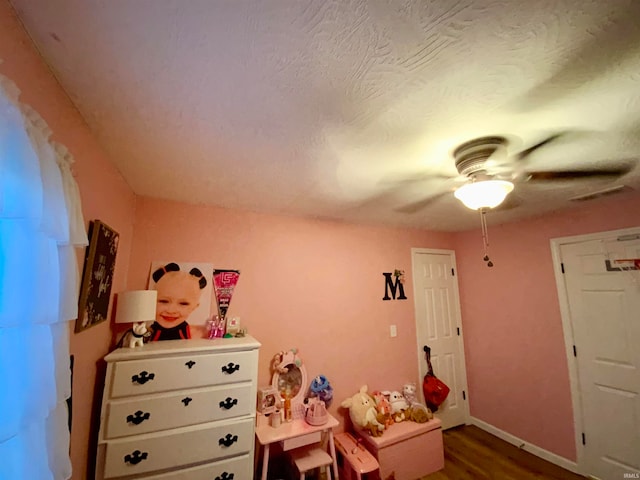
435, 390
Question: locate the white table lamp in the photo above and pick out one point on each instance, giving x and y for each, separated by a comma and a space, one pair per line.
137, 307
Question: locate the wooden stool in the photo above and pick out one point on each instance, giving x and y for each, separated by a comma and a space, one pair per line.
309, 458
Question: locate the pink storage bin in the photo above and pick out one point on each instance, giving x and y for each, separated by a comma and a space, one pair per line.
409, 450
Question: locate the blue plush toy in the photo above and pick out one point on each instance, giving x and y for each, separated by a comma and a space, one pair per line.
321, 388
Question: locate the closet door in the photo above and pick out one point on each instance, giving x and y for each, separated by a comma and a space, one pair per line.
438, 325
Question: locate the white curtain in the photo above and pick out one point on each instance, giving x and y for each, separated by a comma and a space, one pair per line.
40, 226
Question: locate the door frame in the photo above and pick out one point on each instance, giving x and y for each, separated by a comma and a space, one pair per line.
463, 363
567, 329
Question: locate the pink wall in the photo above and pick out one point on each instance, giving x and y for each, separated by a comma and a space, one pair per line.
104, 194
514, 344
310, 284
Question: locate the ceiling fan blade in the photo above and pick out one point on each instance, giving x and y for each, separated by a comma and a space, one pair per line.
523, 154
412, 178
576, 174
610, 46
420, 204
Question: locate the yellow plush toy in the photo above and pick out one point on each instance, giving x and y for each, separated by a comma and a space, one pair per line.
363, 413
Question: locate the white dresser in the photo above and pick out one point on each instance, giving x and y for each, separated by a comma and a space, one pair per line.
179, 410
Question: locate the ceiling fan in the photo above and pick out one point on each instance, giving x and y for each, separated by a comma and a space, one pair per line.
488, 172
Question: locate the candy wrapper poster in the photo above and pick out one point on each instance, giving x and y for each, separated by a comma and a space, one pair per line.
224, 282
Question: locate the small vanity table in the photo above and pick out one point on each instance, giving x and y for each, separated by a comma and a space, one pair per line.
294, 434
290, 380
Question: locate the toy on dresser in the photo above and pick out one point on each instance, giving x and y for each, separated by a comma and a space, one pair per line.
135, 336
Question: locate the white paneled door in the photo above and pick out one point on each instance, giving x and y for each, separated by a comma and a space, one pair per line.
603, 302
438, 325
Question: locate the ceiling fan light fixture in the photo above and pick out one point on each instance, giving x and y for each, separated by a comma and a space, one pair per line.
484, 193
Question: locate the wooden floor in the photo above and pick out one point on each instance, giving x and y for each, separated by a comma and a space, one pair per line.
472, 454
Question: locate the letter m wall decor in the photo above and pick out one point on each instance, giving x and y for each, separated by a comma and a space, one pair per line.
393, 283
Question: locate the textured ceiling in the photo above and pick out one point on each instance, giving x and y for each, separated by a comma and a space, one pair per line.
339, 109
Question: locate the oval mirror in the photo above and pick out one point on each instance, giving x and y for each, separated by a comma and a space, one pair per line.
290, 383
290, 379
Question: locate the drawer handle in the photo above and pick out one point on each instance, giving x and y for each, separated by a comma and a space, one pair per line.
228, 440
190, 364
143, 377
225, 476
186, 401
136, 457
138, 417
230, 368
228, 403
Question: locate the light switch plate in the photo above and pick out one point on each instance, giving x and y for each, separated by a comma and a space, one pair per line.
393, 331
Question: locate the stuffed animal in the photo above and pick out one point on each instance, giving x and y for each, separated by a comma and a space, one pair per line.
409, 392
363, 414
383, 407
321, 388
419, 413
398, 406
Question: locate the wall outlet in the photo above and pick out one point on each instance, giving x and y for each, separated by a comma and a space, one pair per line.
393, 331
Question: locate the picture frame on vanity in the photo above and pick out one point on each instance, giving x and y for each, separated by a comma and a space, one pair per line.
97, 276
268, 400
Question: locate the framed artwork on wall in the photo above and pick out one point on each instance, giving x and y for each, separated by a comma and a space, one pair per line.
97, 276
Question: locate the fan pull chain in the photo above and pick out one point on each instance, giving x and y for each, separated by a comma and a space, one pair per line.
485, 236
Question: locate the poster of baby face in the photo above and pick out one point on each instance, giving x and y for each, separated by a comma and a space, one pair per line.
184, 299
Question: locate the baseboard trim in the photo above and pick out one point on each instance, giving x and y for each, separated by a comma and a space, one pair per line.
526, 446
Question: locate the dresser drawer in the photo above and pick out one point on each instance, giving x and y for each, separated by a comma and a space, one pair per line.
238, 468
157, 412
138, 377
151, 452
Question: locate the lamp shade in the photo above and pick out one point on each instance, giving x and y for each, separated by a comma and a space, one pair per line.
483, 194
136, 306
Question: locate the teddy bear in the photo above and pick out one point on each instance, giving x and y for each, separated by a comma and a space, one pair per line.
363, 414
419, 413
